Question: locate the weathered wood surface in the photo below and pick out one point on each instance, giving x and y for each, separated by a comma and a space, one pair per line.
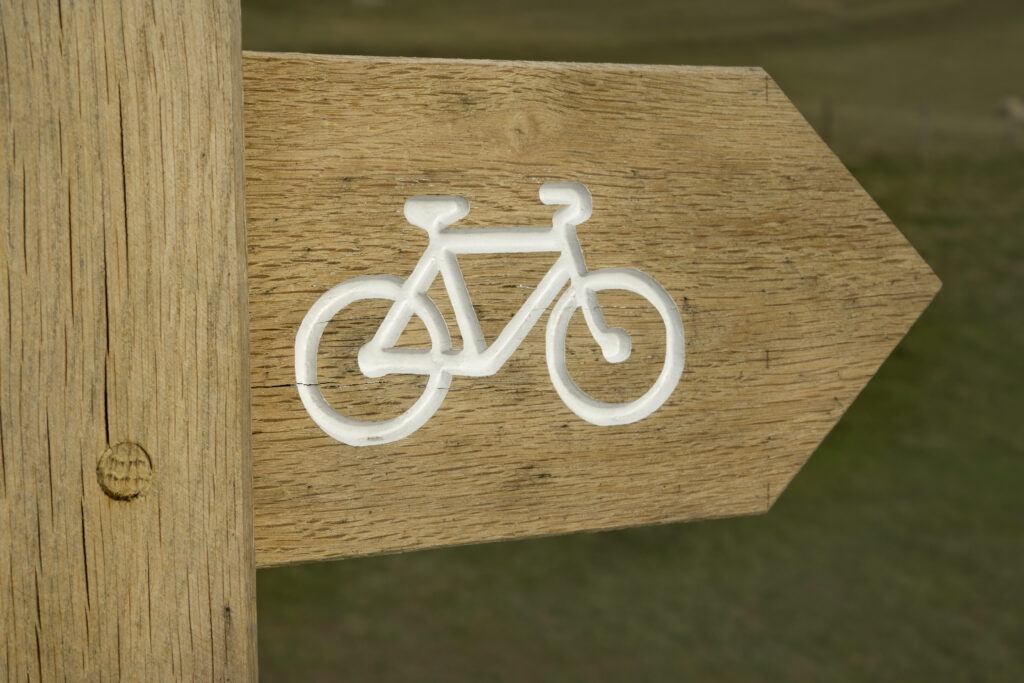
793, 287
123, 307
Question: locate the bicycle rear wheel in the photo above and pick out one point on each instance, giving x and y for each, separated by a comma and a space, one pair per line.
578, 401
352, 431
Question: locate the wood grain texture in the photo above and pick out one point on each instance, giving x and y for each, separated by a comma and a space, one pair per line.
793, 287
123, 306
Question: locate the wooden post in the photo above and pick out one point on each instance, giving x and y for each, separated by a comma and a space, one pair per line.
125, 477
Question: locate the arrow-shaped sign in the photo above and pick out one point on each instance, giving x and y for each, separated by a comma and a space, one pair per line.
500, 299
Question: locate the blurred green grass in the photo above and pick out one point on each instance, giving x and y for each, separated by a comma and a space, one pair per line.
897, 553
896, 75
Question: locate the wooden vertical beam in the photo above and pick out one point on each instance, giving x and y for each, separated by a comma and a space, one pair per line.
125, 477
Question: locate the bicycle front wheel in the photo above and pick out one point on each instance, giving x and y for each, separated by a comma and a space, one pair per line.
352, 431
585, 406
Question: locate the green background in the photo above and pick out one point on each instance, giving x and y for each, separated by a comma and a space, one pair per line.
897, 553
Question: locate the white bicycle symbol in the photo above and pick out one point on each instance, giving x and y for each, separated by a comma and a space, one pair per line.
379, 357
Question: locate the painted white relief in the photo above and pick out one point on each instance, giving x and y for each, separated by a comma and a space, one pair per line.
440, 363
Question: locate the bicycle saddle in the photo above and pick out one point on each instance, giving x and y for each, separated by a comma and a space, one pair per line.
435, 212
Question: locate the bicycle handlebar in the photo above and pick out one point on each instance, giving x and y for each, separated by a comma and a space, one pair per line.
574, 196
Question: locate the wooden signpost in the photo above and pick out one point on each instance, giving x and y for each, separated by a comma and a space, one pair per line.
790, 284
486, 300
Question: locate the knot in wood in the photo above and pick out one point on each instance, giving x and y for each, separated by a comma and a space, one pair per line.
125, 471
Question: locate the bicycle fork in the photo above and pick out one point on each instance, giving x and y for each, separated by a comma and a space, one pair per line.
614, 341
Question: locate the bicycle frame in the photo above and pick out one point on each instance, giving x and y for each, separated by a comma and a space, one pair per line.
439, 363
476, 359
